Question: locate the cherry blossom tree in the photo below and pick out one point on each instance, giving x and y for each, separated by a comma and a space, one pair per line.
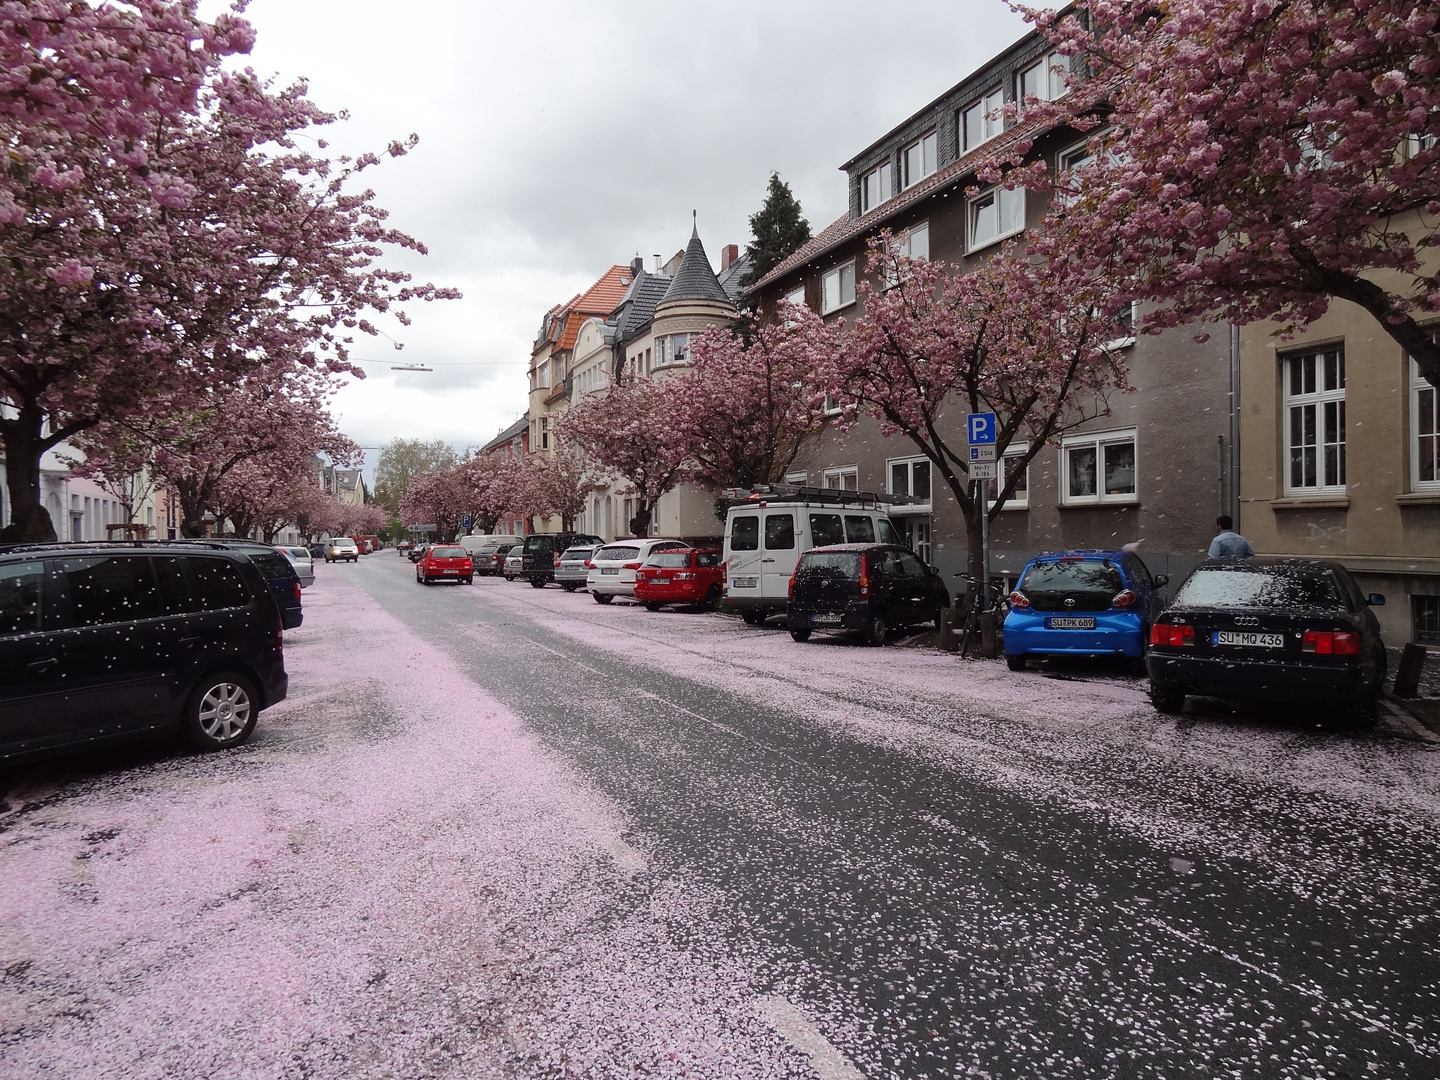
436, 498
745, 406
558, 485
163, 232
1255, 160
629, 432
1023, 338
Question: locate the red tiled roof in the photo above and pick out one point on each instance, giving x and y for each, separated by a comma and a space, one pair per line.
845, 228
600, 299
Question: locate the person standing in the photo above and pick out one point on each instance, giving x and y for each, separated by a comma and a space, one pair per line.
1228, 544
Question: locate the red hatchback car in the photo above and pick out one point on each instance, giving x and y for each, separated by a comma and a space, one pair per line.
693, 576
445, 563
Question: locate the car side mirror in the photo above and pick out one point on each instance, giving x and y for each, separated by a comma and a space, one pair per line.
1162, 579
934, 571
1376, 599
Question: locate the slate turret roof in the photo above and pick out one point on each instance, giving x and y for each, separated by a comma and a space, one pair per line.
648, 290
696, 280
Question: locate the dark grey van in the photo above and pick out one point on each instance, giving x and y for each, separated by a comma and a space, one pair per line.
102, 643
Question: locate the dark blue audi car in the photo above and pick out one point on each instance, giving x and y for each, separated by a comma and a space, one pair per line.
1082, 603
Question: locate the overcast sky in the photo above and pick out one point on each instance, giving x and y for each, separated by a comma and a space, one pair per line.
557, 139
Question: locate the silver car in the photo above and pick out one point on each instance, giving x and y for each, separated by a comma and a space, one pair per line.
303, 562
513, 561
574, 567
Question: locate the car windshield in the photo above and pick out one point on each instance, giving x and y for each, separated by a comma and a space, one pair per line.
447, 552
342, 543
841, 563
669, 559
616, 552
1263, 587
1071, 576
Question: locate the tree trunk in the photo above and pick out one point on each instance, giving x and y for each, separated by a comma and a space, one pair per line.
640, 523
1421, 342
24, 443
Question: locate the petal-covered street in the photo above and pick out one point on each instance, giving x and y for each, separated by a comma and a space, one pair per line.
500, 831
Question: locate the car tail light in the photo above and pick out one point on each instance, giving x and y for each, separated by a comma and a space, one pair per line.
297, 590
685, 575
557, 562
632, 566
791, 592
864, 576
1019, 599
589, 565
1331, 642
1124, 598
1172, 635
279, 634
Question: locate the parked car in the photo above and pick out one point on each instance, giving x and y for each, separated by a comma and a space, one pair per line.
613, 566
317, 551
367, 544
1277, 630
574, 568
418, 552
680, 577
1089, 603
445, 562
342, 547
490, 559
303, 563
868, 588
541, 554
277, 570
101, 643
765, 535
490, 541
404, 547
513, 561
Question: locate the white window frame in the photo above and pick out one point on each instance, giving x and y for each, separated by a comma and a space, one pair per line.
928, 150
996, 195
830, 406
919, 231
839, 473
1419, 389
838, 274
796, 296
1021, 499
665, 355
883, 176
910, 463
544, 433
1327, 404
991, 119
1098, 441
797, 478
1129, 339
1052, 87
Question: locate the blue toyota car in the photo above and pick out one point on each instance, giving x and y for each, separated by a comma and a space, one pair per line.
1082, 603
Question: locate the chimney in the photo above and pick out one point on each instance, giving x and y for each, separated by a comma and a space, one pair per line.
729, 254
637, 267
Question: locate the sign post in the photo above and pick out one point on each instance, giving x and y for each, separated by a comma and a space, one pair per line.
980, 434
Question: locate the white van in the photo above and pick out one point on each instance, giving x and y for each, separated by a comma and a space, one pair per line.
473, 543
765, 534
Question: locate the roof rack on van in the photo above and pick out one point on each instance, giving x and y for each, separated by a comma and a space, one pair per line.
867, 499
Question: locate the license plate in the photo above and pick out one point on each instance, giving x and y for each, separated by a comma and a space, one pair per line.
609, 570
660, 581
1247, 638
452, 571
824, 620
1063, 623
746, 582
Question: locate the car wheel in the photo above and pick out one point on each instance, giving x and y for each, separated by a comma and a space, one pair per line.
509, 577
602, 598
221, 711
537, 582
877, 629
569, 586
752, 617
1167, 699
800, 635
713, 598
468, 580
1015, 661
652, 606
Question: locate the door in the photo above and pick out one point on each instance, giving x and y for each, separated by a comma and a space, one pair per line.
780, 555
917, 536
32, 661
918, 586
743, 544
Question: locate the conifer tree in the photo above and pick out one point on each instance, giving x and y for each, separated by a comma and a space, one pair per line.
778, 230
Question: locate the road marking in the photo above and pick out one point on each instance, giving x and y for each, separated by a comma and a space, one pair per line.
825, 1058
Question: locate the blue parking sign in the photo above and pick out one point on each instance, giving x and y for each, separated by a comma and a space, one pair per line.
980, 427
464, 521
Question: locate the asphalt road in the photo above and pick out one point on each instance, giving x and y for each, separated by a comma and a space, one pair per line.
953, 889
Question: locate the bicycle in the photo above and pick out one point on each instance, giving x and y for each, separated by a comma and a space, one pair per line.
995, 606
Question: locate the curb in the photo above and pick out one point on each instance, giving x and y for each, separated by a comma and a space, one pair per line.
1410, 716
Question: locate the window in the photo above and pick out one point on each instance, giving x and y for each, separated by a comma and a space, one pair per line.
745, 533
859, 529
839, 289
1425, 432
911, 478
22, 591
796, 477
983, 120
915, 245
670, 350
1315, 422
779, 532
1099, 468
110, 589
1044, 79
1020, 497
888, 535
1424, 610
876, 187
831, 405
544, 433
997, 213
917, 160
1126, 318
542, 377
843, 478
796, 296
826, 529
917, 536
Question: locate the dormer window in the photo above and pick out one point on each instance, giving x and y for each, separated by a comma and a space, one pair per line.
918, 160
1044, 79
875, 187
983, 120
